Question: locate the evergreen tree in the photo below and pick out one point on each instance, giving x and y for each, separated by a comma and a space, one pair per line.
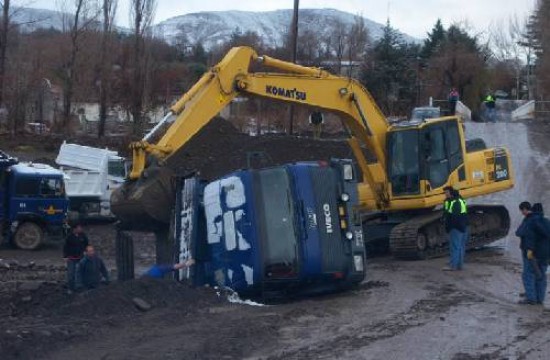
435, 38
390, 72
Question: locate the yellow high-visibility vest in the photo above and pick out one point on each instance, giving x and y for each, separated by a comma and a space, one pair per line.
448, 205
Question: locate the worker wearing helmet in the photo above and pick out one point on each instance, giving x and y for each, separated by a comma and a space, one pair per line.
456, 225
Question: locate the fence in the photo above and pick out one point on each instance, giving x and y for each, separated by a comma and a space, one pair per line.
542, 109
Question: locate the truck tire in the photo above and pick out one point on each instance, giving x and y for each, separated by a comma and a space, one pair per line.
28, 236
124, 256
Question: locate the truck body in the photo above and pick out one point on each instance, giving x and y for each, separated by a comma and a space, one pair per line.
91, 176
33, 203
282, 231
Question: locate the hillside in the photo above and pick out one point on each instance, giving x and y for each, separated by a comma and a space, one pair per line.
214, 27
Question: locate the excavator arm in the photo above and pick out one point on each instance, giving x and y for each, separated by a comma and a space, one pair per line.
293, 83
149, 194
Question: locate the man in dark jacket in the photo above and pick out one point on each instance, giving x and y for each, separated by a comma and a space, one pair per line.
91, 269
541, 250
453, 99
528, 238
73, 251
456, 225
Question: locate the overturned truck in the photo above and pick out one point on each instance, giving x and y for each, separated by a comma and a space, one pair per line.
280, 231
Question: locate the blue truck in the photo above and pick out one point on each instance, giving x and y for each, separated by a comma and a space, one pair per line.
276, 232
33, 203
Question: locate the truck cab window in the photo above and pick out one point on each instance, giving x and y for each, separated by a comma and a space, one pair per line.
454, 145
116, 168
404, 162
436, 156
280, 244
27, 187
51, 188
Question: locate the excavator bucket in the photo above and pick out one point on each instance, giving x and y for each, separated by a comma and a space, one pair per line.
145, 204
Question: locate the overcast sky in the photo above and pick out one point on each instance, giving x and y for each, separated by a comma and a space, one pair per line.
414, 17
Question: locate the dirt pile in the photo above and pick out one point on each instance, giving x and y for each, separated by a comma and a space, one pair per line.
219, 148
38, 319
216, 150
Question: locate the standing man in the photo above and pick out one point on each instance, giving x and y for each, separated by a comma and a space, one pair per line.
525, 232
490, 107
456, 225
453, 99
91, 269
541, 226
73, 251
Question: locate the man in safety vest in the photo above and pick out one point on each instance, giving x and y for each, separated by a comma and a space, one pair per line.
456, 225
489, 103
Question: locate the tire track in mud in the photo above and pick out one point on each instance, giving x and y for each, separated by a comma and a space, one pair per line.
423, 311
521, 348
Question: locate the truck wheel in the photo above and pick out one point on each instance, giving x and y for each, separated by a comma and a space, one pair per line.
28, 236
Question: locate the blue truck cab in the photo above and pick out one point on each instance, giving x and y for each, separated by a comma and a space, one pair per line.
33, 203
286, 230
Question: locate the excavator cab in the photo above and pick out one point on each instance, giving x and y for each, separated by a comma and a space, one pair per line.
426, 153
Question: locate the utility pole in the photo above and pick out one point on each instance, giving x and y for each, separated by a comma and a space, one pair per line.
294, 50
294, 39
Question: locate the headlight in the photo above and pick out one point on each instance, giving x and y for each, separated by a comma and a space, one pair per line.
344, 197
349, 235
348, 172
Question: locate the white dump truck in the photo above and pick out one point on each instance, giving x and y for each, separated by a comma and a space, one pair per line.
91, 175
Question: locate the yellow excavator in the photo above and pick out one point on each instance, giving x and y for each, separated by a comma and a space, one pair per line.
401, 187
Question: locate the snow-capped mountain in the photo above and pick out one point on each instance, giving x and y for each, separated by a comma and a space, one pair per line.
31, 19
214, 27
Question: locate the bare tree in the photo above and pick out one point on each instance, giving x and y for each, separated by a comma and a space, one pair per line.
508, 47
358, 40
109, 11
141, 13
339, 42
4, 45
83, 14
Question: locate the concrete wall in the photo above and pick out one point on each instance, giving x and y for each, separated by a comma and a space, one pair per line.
524, 112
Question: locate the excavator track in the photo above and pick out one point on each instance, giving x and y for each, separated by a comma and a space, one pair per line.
424, 236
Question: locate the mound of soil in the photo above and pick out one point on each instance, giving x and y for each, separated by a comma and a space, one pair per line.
39, 320
219, 148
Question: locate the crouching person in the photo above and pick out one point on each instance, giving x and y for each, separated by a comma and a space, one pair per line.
91, 269
160, 271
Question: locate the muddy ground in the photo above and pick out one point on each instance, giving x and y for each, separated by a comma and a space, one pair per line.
404, 310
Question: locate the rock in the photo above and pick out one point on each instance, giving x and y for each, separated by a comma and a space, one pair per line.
30, 285
27, 265
141, 304
26, 299
5, 265
14, 263
46, 333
